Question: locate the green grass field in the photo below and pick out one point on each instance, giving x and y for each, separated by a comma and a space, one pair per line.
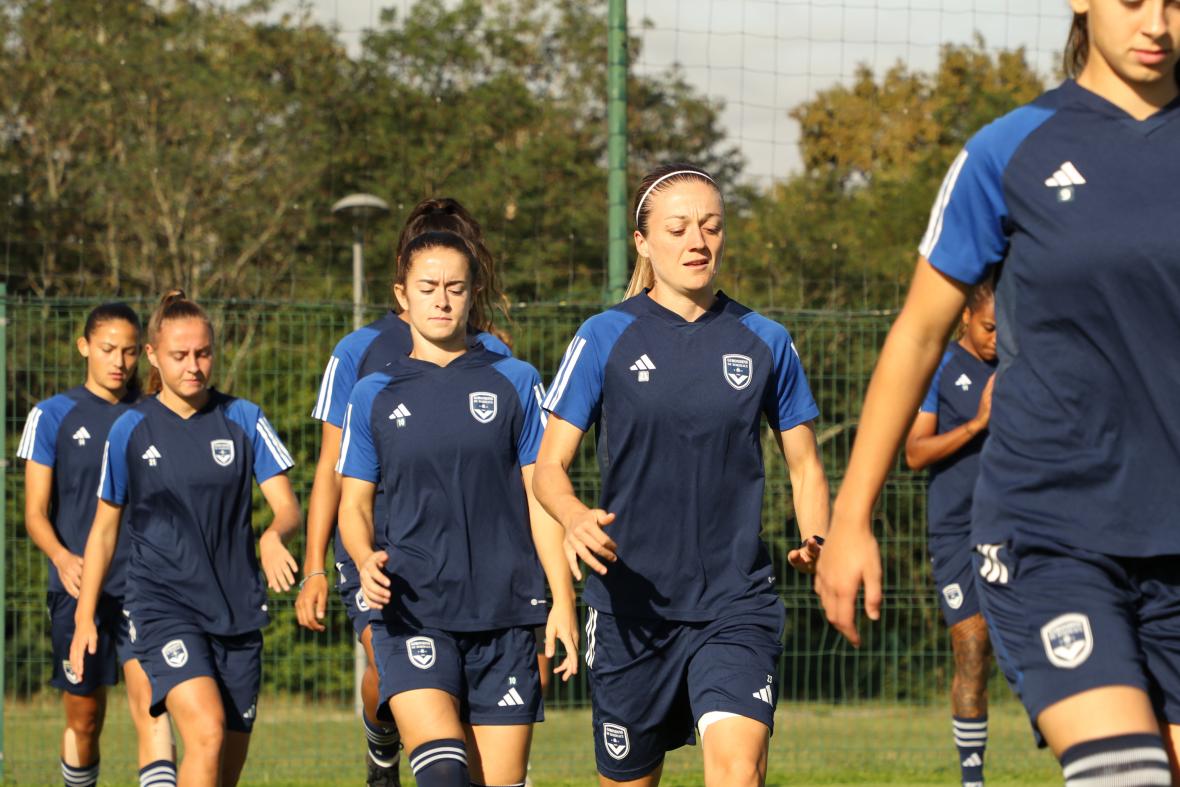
303, 743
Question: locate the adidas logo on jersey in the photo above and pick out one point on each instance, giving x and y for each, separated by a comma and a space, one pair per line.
963, 382
511, 699
399, 415
81, 435
644, 367
152, 455
1066, 180
974, 761
765, 694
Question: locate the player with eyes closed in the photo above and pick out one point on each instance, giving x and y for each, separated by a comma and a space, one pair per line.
62, 443
1071, 199
685, 624
455, 565
181, 464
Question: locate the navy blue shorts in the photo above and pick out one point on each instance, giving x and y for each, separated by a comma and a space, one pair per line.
348, 585
651, 681
175, 651
492, 673
954, 576
1065, 620
114, 643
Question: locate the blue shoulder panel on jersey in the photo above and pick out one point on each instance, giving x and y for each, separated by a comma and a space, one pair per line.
270, 455
112, 484
967, 232
39, 440
492, 343
794, 404
527, 382
340, 375
358, 452
575, 395
930, 403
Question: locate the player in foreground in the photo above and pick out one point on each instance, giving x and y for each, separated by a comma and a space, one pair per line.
182, 463
62, 442
450, 433
685, 623
1073, 513
358, 354
947, 437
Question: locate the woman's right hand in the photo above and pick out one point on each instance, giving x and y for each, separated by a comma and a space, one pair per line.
375, 582
586, 539
85, 641
312, 602
851, 558
69, 569
984, 414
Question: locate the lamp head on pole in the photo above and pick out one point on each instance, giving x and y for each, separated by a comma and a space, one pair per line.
360, 207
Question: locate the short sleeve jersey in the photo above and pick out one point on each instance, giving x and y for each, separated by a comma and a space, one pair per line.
67, 433
187, 485
678, 408
363, 352
1070, 194
954, 397
447, 445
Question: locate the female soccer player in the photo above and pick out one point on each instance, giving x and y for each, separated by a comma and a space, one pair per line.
1072, 518
947, 436
685, 625
358, 354
62, 442
182, 464
451, 432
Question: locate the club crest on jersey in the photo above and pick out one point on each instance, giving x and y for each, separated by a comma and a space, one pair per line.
483, 406
68, 669
421, 652
175, 653
223, 452
361, 604
1068, 640
617, 740
953, 595
739, 370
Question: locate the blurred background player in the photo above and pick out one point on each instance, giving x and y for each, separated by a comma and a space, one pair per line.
1073, 517
685, 623
182, 464
947, 436
450, 433
358, 354
63, 442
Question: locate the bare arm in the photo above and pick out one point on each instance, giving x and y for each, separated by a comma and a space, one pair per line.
356, 530
809, 491
96, 560
584, 536
548, 538
38, 491
923, 447
311, 604
911, 352
277, 563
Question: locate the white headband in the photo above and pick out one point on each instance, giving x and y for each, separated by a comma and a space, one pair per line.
643, 199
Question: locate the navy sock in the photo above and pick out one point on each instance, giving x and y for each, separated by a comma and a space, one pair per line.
161, 773
441, 763
384, 743
971, 740
1121, 761
84, 776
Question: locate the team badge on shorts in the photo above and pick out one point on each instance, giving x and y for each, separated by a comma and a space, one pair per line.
68, 669
361, 604
421, 652
223, 452
1068, 640
175, 653
618, 742
483, 406
953, 595
739, 370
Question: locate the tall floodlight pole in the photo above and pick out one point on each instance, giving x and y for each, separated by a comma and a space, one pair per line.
359, 209
616, 113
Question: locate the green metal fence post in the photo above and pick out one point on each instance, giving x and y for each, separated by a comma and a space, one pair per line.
617, 150
3, 502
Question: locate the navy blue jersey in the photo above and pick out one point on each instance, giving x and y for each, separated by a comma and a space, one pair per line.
678, 409
446, 444
67, 433
954, 397
187, 488
1071, 194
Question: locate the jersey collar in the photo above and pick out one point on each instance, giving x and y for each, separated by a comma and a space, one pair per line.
1097, 103
646, 305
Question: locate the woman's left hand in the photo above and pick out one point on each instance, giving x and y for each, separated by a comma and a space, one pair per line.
563, 625
806, 557
277, 563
